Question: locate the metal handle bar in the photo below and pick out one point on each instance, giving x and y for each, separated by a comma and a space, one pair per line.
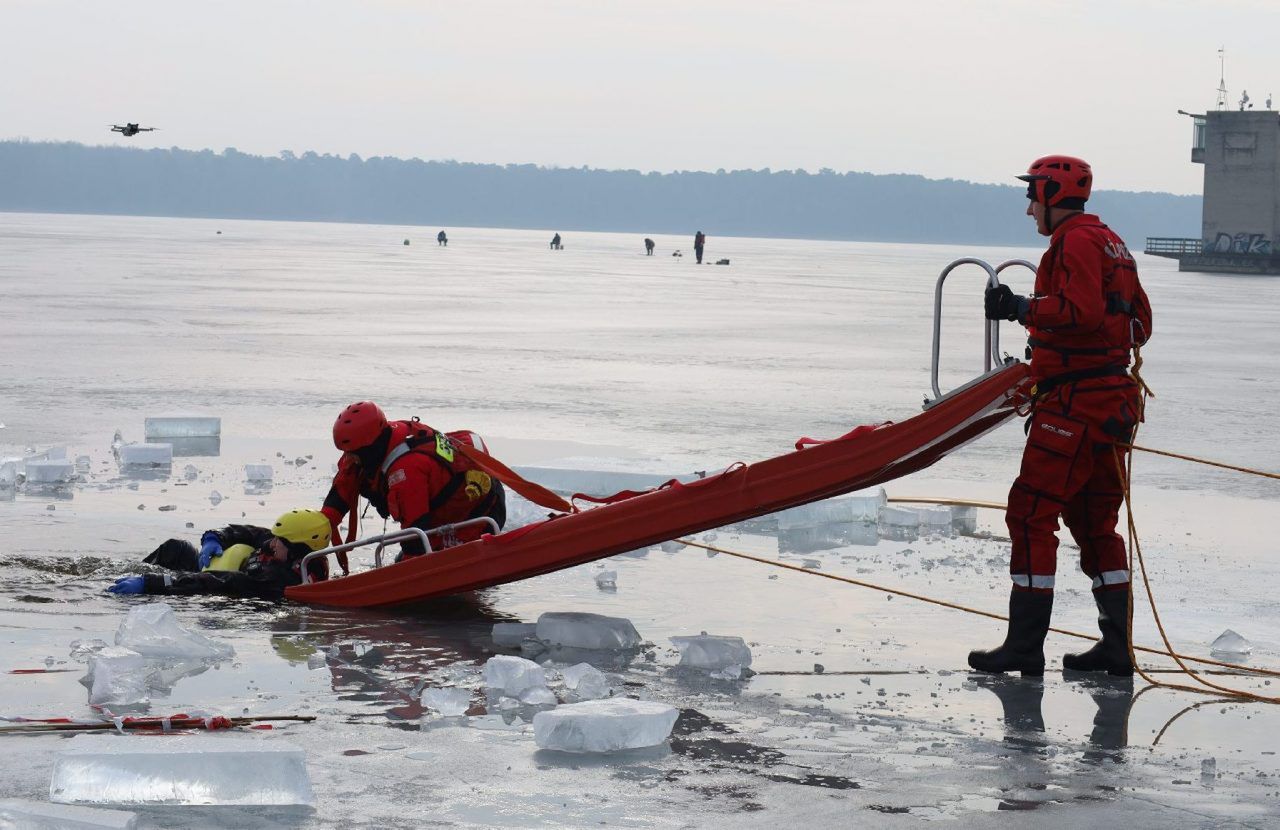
384, 539
991, 340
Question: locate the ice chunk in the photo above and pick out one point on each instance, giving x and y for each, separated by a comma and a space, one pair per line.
450, 701
672, 546
964, 520
190, 473
57, 471
606, 580
900, 517
510, 675
119, 676
511, 635
38, 815
935, 519
317, 660
1229, 642
712, 653
186, 426
586, 681
861, 507
84, 649
901, 523
215, 498
589, 631
538, 696
8, 472
258, 473
153, 630
146, 455
83, 463
180, 769
604, 725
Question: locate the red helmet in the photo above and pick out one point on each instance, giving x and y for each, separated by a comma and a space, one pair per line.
358, 426
1054, 179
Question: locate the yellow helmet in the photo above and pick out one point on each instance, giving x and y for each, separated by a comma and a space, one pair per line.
308, 527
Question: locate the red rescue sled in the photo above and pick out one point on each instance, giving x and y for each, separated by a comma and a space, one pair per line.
866, 457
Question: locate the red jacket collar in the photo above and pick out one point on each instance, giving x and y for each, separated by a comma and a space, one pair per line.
1078, 219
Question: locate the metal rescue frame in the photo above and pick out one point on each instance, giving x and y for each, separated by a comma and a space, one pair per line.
991, 360
447, 532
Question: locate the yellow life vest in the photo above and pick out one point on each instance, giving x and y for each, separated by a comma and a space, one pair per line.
232, 559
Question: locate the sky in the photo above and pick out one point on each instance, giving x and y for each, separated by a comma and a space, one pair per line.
969, 90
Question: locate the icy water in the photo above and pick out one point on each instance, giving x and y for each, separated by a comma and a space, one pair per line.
597, 357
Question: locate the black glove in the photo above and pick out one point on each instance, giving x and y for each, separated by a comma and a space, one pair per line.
1000, 303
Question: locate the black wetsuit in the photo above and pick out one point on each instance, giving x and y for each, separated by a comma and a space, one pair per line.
261, 578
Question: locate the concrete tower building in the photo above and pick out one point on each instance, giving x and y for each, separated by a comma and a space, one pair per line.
1240, 224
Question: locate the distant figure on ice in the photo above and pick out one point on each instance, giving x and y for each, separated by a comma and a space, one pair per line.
699, 240
1087, 318
442, 239
648, 246
555, 242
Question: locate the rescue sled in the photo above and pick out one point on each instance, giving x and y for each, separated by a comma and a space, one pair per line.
865, 457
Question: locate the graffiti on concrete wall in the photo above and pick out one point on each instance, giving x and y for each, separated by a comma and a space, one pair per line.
1240, 243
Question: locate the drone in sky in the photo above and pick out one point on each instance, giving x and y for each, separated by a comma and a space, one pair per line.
130, 129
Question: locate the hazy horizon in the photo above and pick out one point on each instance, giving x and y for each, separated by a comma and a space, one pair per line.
970, 92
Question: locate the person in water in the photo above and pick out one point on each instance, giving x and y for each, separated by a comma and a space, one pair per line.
1088, 315
243, 561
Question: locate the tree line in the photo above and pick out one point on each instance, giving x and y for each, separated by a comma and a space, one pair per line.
75, 178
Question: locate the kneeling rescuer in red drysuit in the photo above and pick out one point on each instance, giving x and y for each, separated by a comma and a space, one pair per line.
1087, 315
412, 473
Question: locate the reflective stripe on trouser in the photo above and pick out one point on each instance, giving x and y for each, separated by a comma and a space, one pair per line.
1069, 471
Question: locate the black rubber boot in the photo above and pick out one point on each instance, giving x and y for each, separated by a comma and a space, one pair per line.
1111, 653
1023, 647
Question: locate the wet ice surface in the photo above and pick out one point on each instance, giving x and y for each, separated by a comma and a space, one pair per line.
585, 362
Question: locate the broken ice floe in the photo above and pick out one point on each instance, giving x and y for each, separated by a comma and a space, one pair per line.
708, 652
585, 682
145, 456
117, 676
181, 769
607, 580
153, 630
593, 632
609, 725
509, 675
1229, 642
900, 524
50, 471
189, 435
538, 696
38, 815
511, 635
449, 702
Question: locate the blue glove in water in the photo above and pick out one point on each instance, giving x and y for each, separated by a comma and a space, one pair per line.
126, 585
209, 548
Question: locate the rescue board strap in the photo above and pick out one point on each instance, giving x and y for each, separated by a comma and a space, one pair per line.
535, 493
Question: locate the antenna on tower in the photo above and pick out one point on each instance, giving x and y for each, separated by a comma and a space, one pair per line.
1222, 77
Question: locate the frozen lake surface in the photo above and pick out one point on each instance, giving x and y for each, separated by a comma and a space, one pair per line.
597, 357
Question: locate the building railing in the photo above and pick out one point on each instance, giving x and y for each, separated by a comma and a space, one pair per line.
1168, 246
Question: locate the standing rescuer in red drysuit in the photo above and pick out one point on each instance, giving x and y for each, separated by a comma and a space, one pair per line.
1087, 315
412, 473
